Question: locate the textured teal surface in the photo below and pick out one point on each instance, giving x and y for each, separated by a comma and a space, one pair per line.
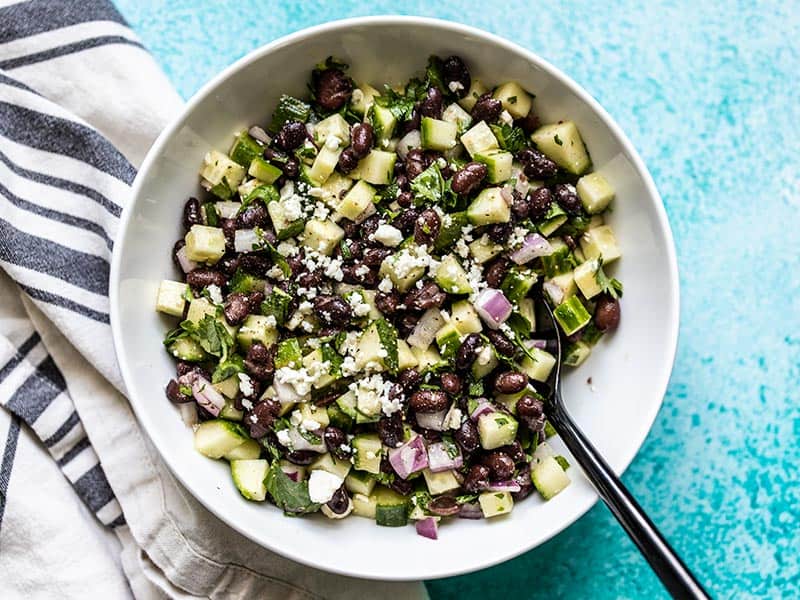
708, 93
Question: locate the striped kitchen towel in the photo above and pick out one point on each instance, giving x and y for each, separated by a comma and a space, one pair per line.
86, 505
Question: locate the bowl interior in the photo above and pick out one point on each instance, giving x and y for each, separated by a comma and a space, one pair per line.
629, 370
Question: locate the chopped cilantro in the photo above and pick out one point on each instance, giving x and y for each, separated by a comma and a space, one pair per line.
557, 140
185, 390
510, 138
562, 461
512, 99
291, 496
228, 368
388, 337
212, 336
289, 109
612, 287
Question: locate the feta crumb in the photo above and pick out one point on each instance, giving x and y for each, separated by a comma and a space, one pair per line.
310, 425
386, 285
246, 384
356, 301
284, 438
485, 355
287, 191
214, 293
506, 117
455, 86
388, 235
248, 404
332, 142
322, 485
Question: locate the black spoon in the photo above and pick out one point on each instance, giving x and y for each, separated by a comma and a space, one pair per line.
674, 574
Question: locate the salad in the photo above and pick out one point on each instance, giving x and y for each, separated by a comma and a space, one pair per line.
357, 307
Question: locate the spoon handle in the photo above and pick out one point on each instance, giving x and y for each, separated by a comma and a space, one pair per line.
674, 574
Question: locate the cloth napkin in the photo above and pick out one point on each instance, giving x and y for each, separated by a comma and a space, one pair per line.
87, 508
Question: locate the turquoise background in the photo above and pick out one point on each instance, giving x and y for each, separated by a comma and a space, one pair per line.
708, 93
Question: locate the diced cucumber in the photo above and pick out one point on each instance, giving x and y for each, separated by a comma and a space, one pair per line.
285, 222
377, 167
250, 450
370, 349
554, 219
248, 477
187, 349
289, 109
171, 298
509, 401
332, 189
263, 171
369, 299
324, 164
405, 358
528, 312
498, 163
362, 98
436, 134
496, 429
314, 358
484, 249
448, 339
452, 277
548, 477
427, 358
338, 418
576, 353
514, 99
257, 328
494, 504
451, 230
217, 437
484, 364
440, 483
489, 207
476, 90
539, 367
230, 389
312, 412
560, 261
222, 173
383, 123
328, 462
457, 115
517, 283
245, 149
359, 482
464, 318
356, 201
396, 268
595, 193
600, 241
199, 308
322, 236
586, 276
367, 453
562, 143
335, 125
364, 506
560, 287
205, 244
479, 139
391, 509
288, 354
572, 315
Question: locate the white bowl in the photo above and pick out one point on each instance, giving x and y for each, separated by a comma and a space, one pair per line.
629, 369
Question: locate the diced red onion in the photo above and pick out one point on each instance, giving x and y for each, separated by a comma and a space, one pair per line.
532, 247
483, 408
425, 329
227, 209
246, 240
187, 265
493, 307
301, 443
188, 412
543, 450
555, 293
293, 472
206, 396
470, 510
522, 186
262, 136
504, 486
427, 528
407, 142
433, 421
439, 460
540, 344
409, 458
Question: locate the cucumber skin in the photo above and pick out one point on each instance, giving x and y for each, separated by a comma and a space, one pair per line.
391, 516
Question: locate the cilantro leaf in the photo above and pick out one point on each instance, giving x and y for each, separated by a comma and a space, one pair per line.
429, 186
228, 368
174, 335
277, 304
291, 496
612, 286
510, 138
388, 337
212, 336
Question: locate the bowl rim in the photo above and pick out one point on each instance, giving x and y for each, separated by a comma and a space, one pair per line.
673, 317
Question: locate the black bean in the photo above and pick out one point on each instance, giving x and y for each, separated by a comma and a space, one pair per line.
443, 506
539, 201
486, 109
183, 367
174, 393
259, 362
405, 199
496, 272
262, 417
451, 383
339, 502
501, 343
567, 198
427, 226
405, 323
301, 457
456, 76
523, 478
310, 279
428, 401
200, 278
237, 307
228, 264
529, 123
428, 296
402, 486
400, 178
431, 106
468, 179
477, 479
255, 215
348, 160
361, 139
332, 89
360, 274
536, 165
229, 229
607, 313
390, 430
510, 382
412, 123
520, 206
515, 451
409, 379
500, 465
291, 168
291, 136
499, 232
468, 351
387, 303
191, 213
416, 163
530, 410
370, 226
333, 310
336, 442
406, 220
373, 257
569, 241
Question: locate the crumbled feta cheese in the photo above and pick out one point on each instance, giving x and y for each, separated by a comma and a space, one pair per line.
214, 293
517, 237
293, 208
271, 322
368, 391
453, 418
310, 425
388, 235
357, 96
332, 142
462, 249
390, 405
300, 379
316, 192
323, 485
455, 86
275, 272
386, 285
295, 418
287, 191
284, 438
248, 404
356, 301
484, 355
287, 248
361, 270
506, 117
246, 384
